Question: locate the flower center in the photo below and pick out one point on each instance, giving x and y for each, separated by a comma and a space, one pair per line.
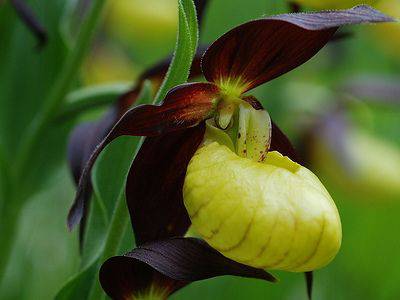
242, 128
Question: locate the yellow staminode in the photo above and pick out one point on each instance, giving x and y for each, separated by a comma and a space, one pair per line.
274, 214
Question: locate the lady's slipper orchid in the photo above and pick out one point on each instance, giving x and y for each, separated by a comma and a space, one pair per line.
217, 149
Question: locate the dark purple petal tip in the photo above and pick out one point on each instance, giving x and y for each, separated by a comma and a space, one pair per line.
169, 265
261, 50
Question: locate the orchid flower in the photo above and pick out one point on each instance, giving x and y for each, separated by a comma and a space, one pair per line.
213, 158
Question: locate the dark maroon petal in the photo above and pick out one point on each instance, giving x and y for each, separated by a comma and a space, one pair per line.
261, 50
84, 139
86, 136
31, 21
179, 260
154, 185
253, 102
122, 277
82, 142
309, 283
281, 143
184, 106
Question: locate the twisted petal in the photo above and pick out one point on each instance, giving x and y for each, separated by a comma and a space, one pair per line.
86, 136
185, 106
166, 266
261, 50
154, 185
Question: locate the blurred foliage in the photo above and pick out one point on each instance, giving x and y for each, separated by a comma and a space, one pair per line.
136, 33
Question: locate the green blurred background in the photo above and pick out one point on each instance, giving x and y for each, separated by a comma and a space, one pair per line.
137, 33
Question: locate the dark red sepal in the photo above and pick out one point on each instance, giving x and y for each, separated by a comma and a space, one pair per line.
261, 50
185, 106
281, 143
169, 265
154, 185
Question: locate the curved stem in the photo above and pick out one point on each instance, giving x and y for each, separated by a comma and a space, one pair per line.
57, 94
118, 226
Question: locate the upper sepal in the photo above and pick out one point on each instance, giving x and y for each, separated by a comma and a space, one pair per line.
185, 106
261, 50
167, 266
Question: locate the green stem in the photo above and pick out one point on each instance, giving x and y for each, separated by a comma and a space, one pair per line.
57, 94
115, 234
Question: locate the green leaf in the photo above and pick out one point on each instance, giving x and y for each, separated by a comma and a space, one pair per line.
185, 48
111, 169
24, 83
78, 286
87, 98
96, 228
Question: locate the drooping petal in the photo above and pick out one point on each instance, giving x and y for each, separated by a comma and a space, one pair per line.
261, 50
84, 139
82, 142
167, 266
184, 106
154, 185
86, 136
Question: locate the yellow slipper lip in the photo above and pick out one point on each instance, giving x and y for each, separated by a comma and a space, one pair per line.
272, 215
